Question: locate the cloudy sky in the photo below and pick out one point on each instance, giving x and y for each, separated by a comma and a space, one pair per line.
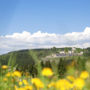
43, 23
27, 40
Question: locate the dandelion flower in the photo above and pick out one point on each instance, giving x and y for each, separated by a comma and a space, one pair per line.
28, 87
47, 72
20, 83
9, 74
37, 82
63, 85
52, 84
79, 83
25, 82
84, 75
17, 74
4, 67
5, 79
71, 78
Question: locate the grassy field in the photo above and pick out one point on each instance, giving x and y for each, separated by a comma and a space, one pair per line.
72, 73
11, 79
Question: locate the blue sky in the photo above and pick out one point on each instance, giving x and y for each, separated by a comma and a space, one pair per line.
26, 24
52, 16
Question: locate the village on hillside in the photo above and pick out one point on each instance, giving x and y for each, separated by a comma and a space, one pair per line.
66, 53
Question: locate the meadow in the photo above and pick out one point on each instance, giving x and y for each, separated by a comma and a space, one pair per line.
72, 73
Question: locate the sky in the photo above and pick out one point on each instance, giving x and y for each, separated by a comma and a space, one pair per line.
36, 23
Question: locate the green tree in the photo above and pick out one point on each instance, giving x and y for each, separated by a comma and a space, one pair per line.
61, 68
66, 50
81, 64
54, 49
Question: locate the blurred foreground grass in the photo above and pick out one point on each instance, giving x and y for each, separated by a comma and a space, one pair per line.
11, 79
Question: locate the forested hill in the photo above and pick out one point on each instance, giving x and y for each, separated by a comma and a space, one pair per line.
25, 57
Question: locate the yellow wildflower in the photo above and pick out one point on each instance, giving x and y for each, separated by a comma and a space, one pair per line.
9, 74
20, 83
5, 79
84, 75
71, 78
21, 88
17, 73
4, 67
52, 84
25, 82
47, 72
63, 84
37, 82
16, 88
28, 88
79, 83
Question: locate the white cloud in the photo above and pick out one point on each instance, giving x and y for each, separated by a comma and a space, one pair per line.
26, 40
